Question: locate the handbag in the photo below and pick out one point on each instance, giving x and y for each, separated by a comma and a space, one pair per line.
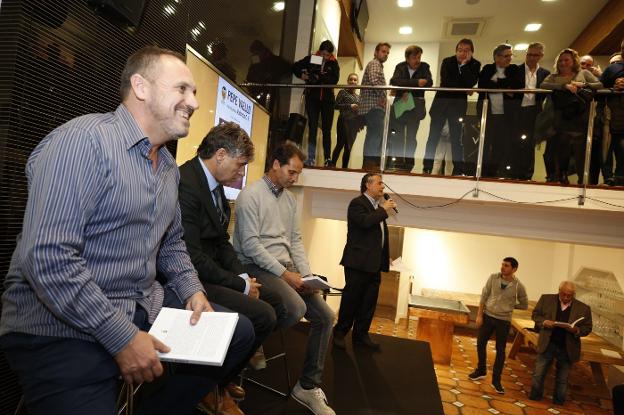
545, 122
296, 124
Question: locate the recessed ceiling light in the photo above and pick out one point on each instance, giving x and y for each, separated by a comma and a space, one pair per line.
405, 3
278, 6
521, 46
405, 30
532, 27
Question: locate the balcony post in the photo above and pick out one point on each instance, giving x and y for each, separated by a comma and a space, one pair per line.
481, 144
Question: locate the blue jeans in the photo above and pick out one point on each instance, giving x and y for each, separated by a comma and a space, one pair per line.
374, 132
542, 364
292, 307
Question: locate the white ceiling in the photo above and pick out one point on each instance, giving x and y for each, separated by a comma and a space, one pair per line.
562, 21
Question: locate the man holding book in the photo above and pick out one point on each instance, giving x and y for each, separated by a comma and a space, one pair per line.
562, 320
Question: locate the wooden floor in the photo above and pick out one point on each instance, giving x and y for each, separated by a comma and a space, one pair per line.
461, 396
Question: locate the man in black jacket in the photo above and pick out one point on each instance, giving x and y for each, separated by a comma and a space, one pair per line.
319, 100
402, 133
221, 159
365, 255
501, 74
458, 71
523, 142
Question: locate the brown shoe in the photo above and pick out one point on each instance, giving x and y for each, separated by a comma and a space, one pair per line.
229, 406
236, 392
210, 404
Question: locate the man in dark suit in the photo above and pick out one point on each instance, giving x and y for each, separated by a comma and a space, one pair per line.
365, 255
523, 141
403, 129
558, 341
221, 159
458, 71
502, 74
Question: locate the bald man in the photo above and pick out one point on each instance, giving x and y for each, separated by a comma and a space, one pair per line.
558, 340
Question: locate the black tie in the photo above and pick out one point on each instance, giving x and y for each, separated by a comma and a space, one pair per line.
219, 205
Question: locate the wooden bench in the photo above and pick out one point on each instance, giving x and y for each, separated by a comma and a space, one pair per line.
590, 346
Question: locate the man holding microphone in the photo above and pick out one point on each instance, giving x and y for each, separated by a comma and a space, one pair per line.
365, 255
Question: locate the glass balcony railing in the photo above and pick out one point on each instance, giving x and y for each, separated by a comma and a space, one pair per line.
526, 135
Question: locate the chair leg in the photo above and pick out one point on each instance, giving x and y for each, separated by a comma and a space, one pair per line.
125, 399
286, 368
20, 407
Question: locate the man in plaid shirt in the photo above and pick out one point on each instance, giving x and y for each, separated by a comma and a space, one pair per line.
373, 106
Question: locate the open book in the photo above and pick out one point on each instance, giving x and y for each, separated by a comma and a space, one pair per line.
315, 282
205, 343
563, 324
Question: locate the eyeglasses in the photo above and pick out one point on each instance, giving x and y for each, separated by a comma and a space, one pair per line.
533, 55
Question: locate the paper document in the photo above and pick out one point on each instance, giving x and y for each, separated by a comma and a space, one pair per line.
399, 266
402, 105
205, 343
610, 353
564, 324
315, 283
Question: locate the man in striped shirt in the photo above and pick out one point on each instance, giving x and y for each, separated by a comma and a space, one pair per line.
102, 219
373, 106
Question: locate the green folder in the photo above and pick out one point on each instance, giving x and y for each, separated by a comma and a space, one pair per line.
401, 106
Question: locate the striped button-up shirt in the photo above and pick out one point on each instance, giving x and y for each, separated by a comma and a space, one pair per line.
371, 98
99, 224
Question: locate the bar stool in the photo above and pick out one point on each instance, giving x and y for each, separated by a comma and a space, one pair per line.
282, 354
125, 399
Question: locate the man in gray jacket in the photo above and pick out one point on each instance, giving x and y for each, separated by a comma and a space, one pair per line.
502, 293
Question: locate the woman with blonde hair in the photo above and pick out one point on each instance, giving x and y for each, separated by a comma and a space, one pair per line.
571, 115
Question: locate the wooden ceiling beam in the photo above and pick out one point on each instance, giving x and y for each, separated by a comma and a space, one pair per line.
602, 36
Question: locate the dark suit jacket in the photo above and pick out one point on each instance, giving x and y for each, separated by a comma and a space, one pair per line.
401, 77
541, 75
330, 76
512, 80
451, 77
206, 240
363, 250
546, 309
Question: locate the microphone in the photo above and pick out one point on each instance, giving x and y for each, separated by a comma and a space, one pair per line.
387, 196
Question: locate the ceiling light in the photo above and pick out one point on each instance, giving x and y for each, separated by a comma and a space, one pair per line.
278, 6
532, 27
405, 3
521, 46
405, 30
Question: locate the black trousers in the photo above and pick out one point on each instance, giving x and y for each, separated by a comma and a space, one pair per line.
324, 108
345, 137
501, 329
497, 146
402, 140
259, 312
522, 152
76, 377
455, 134
358, 302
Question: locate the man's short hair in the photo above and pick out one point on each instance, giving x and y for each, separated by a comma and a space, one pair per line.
228, 136
536, 45
498, 50
511, 260
368, 177
327, 46
285, 151
142, 62
465, 41
381, 44
413, 50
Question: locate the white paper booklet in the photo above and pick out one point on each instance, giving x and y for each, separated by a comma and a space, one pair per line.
205, 343
565, 324
315, 283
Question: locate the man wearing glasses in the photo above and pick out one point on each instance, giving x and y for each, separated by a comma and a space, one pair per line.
523, 142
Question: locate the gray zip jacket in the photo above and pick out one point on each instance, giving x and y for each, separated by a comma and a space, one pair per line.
500, 303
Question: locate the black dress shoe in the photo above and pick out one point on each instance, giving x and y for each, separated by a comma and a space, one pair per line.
366, 341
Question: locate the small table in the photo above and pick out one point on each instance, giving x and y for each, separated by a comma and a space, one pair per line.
436, 322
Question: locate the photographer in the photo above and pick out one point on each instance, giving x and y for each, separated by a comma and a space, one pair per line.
317, 69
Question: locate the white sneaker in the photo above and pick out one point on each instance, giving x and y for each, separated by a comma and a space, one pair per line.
313, 399
258, 360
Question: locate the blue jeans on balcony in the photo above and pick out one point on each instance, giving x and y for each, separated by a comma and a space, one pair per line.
372, 141
542, 364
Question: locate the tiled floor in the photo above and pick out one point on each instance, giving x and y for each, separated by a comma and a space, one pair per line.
461, 396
